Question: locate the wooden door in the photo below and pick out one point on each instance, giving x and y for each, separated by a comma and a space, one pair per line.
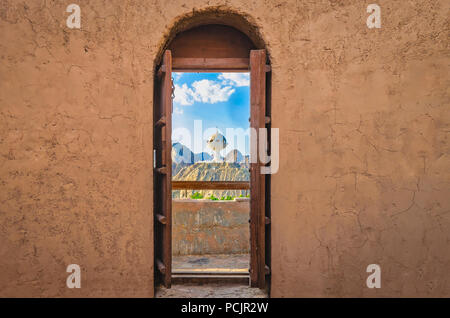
163, 171
258, 218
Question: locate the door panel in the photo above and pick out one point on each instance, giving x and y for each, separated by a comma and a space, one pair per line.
163, 171
258, 218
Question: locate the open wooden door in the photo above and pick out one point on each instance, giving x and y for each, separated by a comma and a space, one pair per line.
162, 161
258, 217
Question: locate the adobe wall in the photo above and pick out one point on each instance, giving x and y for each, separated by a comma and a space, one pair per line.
364, 166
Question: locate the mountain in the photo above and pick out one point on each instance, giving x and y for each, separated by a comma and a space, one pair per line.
181, 153
210, 171
234, 156
189, 166
202, 156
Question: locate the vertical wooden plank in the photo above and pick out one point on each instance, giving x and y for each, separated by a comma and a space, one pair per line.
267, 232
157, 181
167, 256
163, 171
257, 180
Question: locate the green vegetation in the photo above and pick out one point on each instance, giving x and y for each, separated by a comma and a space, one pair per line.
197, 195
212, 197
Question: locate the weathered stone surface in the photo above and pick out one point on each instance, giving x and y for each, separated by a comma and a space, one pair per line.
210, 291
210, 227
211, 262
364, 123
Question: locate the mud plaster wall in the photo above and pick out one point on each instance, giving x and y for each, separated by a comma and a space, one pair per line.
364, 123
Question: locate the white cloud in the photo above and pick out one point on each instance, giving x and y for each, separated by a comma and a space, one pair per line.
205, 91
177, 75
178, 111
212, 92
235, 79
183, 95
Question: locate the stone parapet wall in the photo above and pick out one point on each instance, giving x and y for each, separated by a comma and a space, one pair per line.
210, 227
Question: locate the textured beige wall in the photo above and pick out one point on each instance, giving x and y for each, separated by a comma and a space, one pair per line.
364, 126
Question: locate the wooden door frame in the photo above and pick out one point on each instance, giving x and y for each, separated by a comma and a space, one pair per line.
258, 119
162, 177
259, 217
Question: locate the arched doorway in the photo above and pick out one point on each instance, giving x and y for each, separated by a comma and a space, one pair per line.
211, 48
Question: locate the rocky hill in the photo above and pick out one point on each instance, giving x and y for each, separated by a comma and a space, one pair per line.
182, 154
209, 171
234, 156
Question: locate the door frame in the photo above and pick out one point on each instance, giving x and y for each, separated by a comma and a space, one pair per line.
259, 221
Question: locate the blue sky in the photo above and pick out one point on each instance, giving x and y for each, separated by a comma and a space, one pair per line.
219, 100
